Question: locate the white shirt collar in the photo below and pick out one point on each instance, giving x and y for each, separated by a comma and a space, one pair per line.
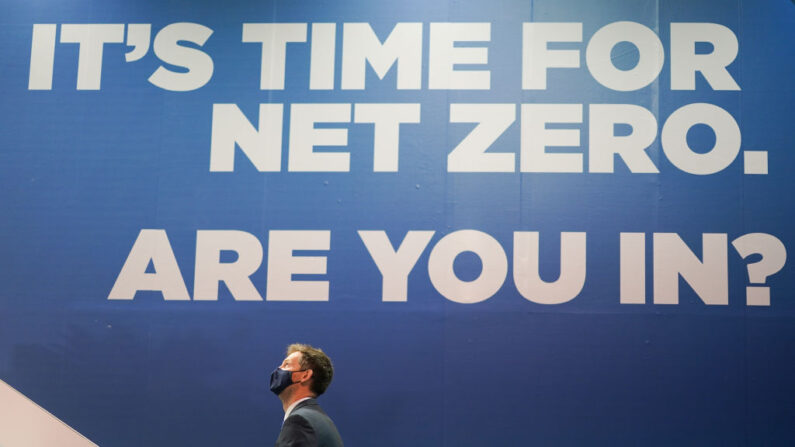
292, 406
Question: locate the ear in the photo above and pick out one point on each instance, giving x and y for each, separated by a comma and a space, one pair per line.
307, 375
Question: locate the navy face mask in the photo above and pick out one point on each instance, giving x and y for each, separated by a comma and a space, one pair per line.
281, 379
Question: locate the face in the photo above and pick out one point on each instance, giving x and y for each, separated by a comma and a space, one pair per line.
288, 376
292, 362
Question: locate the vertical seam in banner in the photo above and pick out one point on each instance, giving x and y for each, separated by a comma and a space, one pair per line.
659, 156
521, 174
746, 411
446, 207
266, 178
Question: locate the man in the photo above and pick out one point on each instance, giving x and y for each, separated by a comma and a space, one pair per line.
304, 375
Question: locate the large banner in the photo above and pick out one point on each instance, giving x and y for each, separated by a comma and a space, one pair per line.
508, 222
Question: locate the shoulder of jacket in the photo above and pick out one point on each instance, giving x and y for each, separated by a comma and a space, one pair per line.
306, 409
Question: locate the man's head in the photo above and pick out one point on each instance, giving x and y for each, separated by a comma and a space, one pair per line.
311, 368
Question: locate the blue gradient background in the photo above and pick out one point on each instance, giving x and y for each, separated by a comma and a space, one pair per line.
81, 172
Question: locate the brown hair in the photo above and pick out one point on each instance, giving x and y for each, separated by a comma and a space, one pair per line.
316, 360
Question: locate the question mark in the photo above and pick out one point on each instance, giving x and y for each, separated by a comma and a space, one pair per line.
774, 256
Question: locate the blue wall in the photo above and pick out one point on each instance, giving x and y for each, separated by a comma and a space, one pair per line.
82, 172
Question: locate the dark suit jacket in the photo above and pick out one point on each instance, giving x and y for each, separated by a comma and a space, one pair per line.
309, 426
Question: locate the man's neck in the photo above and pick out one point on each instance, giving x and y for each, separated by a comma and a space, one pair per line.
291, 399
